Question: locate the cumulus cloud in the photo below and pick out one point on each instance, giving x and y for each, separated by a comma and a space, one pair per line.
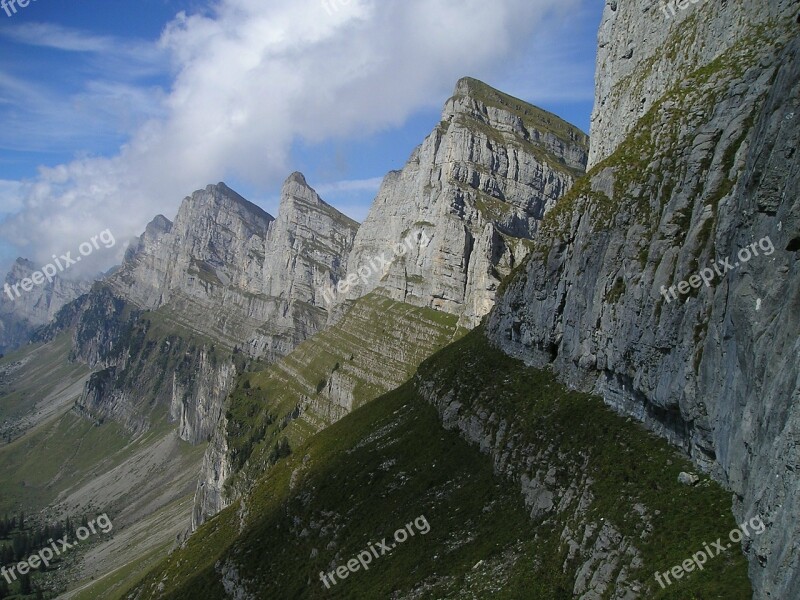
251, 78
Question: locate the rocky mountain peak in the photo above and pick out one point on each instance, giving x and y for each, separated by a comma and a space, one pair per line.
476, 104
20, 315
456, 219
298, 178
160, 224
297, 191
220, 203
22, 267
308, 234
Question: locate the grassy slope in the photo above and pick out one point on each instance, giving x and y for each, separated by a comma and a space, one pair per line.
627, 464
56, 457
45, 371
375, 348
391, 461
59, 461
124, 560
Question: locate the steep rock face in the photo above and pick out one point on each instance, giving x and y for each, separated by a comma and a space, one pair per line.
209, 258
165, 331
20, 315
210, 496
643, 51
446, 229
374, 348
196, 403
709, 174
441, 234
231, 276
229, 270
306, 245
145, 368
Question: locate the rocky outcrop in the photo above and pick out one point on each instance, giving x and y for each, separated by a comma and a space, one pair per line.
556, 479
643, 51
307, 246
144, 373
196, 403
445, 230
21, 314
228, 270
210, 496
441, 234
227, 277
373, 349
705, 182
197, 298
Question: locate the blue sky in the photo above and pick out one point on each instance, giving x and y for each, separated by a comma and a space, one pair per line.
113, 110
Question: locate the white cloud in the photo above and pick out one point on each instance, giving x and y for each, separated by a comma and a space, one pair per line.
58, 37
251, 79
61, 38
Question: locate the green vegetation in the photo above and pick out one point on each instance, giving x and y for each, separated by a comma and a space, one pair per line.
627, 465
617, 291
290, 398
391, 461
63, 455
44, 371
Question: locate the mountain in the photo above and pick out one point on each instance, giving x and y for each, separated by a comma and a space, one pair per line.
703, 181
463, 209
153, 351
528, 490
467, 203
374, 348
562, 375
228, 270
21, 313
692, 159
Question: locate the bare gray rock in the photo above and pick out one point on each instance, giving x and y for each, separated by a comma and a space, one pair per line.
710, 169
470, 198
229, 270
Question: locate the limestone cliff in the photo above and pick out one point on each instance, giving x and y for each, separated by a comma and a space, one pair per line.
194, 300
445, 230
707, 178
440, 235
643, 51
230, 271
